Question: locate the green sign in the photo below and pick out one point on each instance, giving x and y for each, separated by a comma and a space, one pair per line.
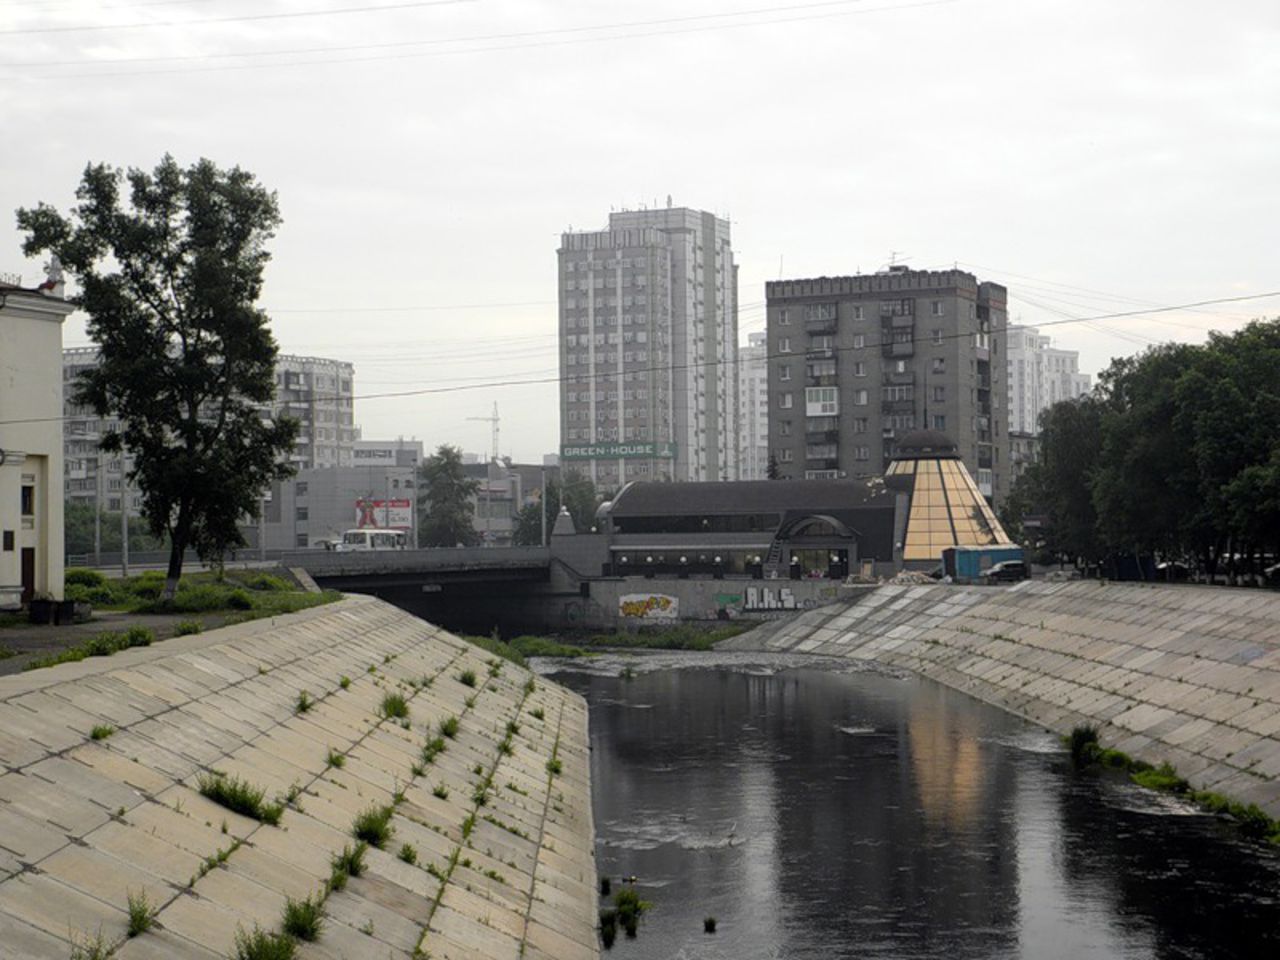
618, 451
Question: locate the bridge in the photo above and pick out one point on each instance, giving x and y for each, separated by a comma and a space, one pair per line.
360, 570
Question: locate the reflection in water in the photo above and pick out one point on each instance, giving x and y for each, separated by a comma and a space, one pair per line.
822, 814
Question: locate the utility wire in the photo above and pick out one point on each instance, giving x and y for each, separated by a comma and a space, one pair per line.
581, 378
243, 18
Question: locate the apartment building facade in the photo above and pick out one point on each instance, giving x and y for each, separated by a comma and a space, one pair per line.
316, 391
856, 362
648, 349
1040, 375
753, 408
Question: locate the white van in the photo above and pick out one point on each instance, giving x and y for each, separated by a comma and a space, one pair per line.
372, 538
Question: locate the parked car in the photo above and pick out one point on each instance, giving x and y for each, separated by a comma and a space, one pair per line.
1006, 571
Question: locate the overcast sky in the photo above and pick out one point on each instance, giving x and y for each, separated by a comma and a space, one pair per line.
1094, 156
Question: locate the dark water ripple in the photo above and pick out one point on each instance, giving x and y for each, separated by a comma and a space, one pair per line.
822, 814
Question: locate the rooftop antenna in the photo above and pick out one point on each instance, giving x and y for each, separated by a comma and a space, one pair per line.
493, 419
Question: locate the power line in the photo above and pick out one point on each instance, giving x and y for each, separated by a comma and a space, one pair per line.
491, 49
435, 41
576, 378
243, 18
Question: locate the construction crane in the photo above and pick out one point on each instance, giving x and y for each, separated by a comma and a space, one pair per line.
493, 420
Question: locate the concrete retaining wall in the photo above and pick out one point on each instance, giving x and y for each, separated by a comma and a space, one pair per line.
1183, 674
83, 823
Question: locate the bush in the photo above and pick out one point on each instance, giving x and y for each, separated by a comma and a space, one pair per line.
239, 796
467, 678
1083, 742
373, 826
1163, 778
265, 582
304, 918
262, 945
394, 706
138, 637
102, 731
81, 577
449, 727
239, 600
408, 854
141, 913
187, 628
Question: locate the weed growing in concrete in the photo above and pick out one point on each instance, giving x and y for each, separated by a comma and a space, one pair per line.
408, 853
467, 678
91, 948
495, 876
264, 945
468, 825
512, 728
502, 825
505, 747
435, 872
303, 703
304, 918
344, 682
373, 826
480, 796
555, 767
187, 628
1163, 778
334, 759
433, 747
608, 927
141, 913
239, 796
630, 907
529, 686
367, 927
102, 731
515, 788
394, 706
495, 668
537, 713
1083, 742
417, 769
348, 863
440, 791
373, 668
449, 727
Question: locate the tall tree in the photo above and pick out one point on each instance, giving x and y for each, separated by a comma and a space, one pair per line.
169, 277
578, 493
447, 499
1062, 480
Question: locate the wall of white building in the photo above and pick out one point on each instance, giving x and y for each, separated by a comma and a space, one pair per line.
1040, 375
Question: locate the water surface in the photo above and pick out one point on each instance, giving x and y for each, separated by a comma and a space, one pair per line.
827, 812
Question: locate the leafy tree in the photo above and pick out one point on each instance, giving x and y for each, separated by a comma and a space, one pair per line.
580, 496
169, 277
78, 524
773, 472
447, 499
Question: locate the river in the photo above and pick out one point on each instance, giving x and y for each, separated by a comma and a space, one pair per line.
820, 811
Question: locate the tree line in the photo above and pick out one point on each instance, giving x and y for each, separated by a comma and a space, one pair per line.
1175, 455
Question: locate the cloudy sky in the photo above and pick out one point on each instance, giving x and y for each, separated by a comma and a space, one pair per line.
1095, 156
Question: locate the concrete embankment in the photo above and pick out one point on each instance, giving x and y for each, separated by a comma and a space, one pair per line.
491, 854
1178, 674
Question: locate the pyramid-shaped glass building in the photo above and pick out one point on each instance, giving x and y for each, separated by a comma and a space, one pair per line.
946, 509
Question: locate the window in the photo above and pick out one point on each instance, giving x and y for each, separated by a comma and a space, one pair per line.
935, 308
859, 340
822, 342
28, 501
937, 336
860, 398
820, 451
939, 393
784, 344
897, 393
784, 317
822, 474
939, 422
784, 455
821, 401
784, 372
859, 424
300, 488
785, 400
820, 311
784, 428
857, 312
859, 369
939, 365
301, 540
861, 453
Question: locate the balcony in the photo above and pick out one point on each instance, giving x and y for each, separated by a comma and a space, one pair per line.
822, 380
901, 320
819, 353
907, 379
820, 326
822, 436
890, 407
906, 349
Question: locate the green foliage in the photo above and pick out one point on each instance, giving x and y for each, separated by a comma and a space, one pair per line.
169, 279
304, 918
537, 713
348, 863
446, 502
449, 727
467, 678
578, 494
373, 826
345, 682
440, 791
239, 796
141, 913
303, 703
530, 646
1163, 777
1083, 743
334, 759
101, 731
394, 706
1177, 455
555, 767
264, 945
434, 746
186, 628
78, 576
408, 853
90, 948
99, 645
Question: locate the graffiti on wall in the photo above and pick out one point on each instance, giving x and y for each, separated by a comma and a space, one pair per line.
769, 598
649, 606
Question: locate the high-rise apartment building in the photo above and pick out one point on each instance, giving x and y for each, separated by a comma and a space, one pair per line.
317, 392
857, 362
753, 408
1039, 376
648, 349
